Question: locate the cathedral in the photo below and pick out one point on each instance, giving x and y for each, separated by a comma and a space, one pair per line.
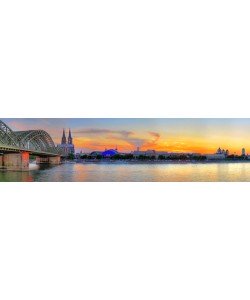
67, 146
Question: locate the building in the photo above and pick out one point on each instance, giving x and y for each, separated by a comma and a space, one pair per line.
243, 152
67, 146
148, 153
156, 154
215, 156
95, 154
109, 153
222, 151
219, 155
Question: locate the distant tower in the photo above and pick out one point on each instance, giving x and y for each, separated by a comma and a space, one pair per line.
116, 148
138, 149
243, 152
63, 138
70, 140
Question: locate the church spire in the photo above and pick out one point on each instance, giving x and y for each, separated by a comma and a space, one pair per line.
64, 137
70, 139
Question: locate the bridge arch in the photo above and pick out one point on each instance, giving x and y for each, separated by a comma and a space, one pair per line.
7, 136
36, 140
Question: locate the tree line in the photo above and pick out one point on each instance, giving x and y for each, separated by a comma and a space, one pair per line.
141, 157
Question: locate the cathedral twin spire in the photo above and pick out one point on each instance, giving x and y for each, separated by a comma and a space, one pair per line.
70, 139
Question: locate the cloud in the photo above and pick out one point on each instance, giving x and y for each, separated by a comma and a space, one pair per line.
109, 134
102, 137
136, 142
92, 131
119, 136
155, 136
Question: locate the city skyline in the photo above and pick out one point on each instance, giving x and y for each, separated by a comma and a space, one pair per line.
175, 134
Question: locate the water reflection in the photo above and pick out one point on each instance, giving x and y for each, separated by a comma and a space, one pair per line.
121, 172
12, 176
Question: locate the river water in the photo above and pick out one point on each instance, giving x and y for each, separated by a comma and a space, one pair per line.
157, 172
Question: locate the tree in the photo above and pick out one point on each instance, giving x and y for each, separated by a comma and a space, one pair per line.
198, 158
116, 157
162, 157
128, 156
142, 157
71, 156
183, 157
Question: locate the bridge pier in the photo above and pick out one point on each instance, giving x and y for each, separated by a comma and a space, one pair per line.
15, 161
55, 160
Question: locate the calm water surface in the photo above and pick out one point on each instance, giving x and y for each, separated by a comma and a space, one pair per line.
133, 172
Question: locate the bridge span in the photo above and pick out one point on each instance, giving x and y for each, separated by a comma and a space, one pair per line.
17, 146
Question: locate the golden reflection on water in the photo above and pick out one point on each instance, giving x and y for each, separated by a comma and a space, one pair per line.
120, 172
164, 172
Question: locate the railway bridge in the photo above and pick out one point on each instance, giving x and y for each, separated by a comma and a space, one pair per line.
17, 146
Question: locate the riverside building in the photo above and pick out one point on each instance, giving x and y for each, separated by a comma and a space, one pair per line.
219, 155
156, 154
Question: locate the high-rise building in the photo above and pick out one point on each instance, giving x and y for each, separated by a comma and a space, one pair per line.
243, 152
67, 147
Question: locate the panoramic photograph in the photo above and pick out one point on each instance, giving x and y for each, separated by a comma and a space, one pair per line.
124, 150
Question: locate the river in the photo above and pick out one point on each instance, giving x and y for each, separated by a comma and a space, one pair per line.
132, 172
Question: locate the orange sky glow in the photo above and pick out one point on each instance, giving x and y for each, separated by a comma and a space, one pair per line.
172, 135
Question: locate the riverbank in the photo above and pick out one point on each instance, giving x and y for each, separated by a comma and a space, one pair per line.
151, 162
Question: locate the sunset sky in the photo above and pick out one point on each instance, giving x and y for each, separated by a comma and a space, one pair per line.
178, 135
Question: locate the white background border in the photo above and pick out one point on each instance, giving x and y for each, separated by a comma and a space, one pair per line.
124, 59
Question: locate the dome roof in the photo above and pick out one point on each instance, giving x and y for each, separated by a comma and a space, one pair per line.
96, 153
110, 152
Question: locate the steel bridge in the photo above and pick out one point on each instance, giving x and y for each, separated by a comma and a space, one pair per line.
35, 142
